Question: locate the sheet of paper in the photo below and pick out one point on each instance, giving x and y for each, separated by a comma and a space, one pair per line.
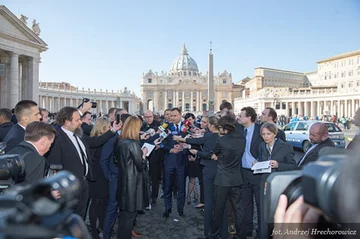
263, 170
150, 148
261, 165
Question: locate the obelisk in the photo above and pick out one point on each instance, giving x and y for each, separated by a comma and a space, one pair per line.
211, 82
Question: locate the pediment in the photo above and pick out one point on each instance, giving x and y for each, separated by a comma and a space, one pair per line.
187, 84
12, 28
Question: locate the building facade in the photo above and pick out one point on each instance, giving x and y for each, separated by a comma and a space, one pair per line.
184, 86
331, 90
53, 96
20, 49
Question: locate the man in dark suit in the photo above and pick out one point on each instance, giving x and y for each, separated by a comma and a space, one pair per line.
155, 158
269, 115
174, 164
319, 137
38, 138
251, 186
356, 140
5, 123
26, 111
72, 151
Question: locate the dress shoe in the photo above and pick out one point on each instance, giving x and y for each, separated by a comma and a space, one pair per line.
141, 212
167, 212
135, 234
181, 214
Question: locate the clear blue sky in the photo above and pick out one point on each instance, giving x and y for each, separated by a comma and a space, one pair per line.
109, 44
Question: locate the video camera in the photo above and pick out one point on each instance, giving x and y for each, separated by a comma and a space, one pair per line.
30, 211
85, 100
12, 170
319, 182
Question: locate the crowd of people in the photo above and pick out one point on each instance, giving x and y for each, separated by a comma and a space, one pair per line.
115, 166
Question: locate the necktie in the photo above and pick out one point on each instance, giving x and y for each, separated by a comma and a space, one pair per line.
83, 155
245, 132
177, 128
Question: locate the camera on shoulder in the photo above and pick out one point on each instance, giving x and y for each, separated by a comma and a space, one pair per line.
318, 182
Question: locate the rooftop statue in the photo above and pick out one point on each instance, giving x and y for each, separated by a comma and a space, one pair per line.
36, 28
23, 19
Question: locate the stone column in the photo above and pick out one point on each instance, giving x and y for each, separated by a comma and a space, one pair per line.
293, 107
183, 100
198, 101
331, 107
165, 100
306, 109
24, 79
191, 101
318, 109
33, 79
287, 106
312, 110
338, 108
13, 86
353, 107
47, 102
58, 104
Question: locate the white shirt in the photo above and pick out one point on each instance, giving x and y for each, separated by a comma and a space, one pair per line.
73, 140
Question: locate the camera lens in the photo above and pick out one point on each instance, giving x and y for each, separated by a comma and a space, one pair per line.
94, 105
293, 191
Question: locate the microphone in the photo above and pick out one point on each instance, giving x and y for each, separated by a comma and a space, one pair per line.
163, 133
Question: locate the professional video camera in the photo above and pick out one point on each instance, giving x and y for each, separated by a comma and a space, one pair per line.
12, 170
85, 100
319, 182
30, 211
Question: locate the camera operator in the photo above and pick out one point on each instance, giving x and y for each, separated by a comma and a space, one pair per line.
38, 138
319, 137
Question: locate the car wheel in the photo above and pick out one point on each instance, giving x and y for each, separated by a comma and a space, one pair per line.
306, 146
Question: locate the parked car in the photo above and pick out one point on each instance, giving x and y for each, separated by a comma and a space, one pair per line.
297, 134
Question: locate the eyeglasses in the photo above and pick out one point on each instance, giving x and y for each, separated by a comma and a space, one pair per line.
147, 117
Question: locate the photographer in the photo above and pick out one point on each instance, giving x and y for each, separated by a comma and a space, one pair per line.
38, 138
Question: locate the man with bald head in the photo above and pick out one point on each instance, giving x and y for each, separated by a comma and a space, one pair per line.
155, 158
319, 137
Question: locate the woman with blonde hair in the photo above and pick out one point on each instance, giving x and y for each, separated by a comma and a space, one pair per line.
132, 192
98, 187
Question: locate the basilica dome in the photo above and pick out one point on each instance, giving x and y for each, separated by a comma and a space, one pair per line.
184, 64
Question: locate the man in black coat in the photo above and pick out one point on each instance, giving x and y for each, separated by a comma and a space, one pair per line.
251, 187
155, 158
319, 137
26, 111
38, 138
5, 123
71, 150
269, 115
